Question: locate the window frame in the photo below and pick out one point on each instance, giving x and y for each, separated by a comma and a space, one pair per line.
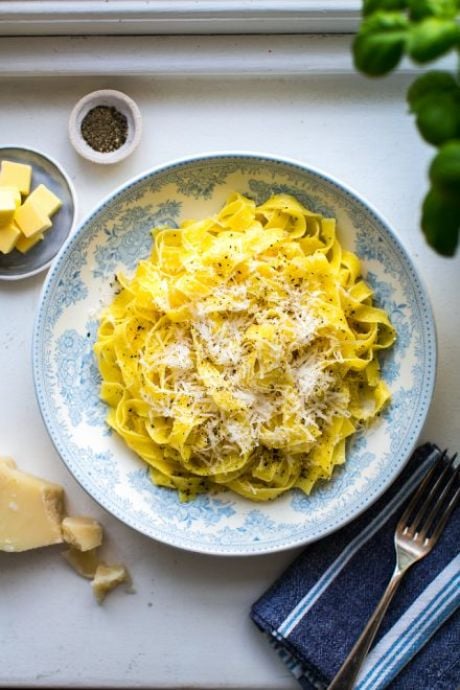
175, 17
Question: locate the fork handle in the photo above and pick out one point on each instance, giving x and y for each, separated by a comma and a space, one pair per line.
346, 676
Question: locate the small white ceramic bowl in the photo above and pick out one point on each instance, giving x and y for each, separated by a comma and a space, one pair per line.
125, 105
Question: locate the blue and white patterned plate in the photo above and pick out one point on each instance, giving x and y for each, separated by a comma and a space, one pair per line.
116, 236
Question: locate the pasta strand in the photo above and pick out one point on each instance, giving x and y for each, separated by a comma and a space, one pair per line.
243, 351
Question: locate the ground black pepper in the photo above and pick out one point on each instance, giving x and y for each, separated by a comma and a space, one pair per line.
104, 128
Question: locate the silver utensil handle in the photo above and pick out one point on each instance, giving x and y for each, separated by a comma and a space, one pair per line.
346, 676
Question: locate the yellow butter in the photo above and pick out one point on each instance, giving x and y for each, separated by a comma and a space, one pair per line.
85, 563
16, 175
14, 191
25, 243
45, 200
9, 236
106, 578
10, 199
83, 533
30, 219
30, 510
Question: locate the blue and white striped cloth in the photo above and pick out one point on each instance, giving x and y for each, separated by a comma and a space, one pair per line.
315, 611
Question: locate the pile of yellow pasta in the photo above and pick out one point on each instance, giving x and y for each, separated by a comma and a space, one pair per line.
243, 352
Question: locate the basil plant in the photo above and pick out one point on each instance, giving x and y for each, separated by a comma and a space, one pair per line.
423, 30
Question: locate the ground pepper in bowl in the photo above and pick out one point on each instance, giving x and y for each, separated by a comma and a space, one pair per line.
104, 128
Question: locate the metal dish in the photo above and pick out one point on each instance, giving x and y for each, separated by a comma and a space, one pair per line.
47, 171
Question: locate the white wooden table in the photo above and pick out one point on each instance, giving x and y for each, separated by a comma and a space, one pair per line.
187, 624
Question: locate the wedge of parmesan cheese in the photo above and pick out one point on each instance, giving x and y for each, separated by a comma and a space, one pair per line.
31, 509
31, 516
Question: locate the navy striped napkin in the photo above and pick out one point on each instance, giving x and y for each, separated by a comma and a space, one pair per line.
313, 614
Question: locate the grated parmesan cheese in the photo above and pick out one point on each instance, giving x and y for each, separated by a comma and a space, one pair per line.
235, 351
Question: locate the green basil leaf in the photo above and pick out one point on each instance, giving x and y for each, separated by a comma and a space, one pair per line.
371, 6
438, 117
379, 44
421, 9
431, 38
440, 223
445, 171
428, 84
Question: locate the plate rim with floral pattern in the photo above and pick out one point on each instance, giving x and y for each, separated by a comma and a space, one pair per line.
66, 380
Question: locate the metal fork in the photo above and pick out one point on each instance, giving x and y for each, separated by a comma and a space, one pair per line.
416, 534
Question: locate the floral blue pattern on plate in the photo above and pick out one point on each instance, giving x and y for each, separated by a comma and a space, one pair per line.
114, 237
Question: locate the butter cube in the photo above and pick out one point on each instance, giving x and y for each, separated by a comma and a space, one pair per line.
9, 236
108, 577
25, 243
16, 175
44, 199
30, 219
85, 563
14, 191
9, 201
83, 533
30, 510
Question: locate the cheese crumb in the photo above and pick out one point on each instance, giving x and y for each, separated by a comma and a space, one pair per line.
83, 533
108, 577
85, 563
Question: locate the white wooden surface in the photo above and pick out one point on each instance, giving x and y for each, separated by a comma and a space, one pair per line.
187, 624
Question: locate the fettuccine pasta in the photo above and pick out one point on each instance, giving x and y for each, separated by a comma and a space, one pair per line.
243, 352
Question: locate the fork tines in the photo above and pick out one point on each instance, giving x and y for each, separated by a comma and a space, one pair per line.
433, 502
